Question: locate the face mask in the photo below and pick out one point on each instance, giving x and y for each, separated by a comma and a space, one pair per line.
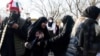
15, 16
50, 20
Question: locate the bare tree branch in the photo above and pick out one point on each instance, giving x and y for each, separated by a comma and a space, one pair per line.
70, 7
39, 9
56, 9
44, 7
50, 5
98, 1
77, 5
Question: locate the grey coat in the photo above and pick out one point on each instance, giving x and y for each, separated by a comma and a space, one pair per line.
74, 41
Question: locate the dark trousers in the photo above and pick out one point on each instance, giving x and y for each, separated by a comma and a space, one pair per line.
27, 52
40, 53
60, 54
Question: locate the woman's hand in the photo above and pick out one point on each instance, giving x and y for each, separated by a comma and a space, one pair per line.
15, 26
39, 35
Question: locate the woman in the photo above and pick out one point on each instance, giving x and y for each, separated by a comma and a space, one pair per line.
51, 26
25, 28
85, 39
37, 36
61, 41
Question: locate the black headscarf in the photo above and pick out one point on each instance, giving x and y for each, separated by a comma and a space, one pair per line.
38, 23
37, 26
91, 12
67, 19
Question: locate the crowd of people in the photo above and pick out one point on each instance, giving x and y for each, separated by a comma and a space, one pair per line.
76, 38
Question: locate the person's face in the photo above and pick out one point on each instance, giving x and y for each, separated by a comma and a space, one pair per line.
14, 14
43, 25
13, 11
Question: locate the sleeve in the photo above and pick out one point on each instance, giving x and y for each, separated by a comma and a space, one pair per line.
59, 35
31, 37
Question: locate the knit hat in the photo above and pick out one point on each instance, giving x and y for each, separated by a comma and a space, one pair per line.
91, 12
13, 6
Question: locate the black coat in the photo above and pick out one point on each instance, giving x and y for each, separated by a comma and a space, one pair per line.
24, 30
61, 41
38, 50
8, 47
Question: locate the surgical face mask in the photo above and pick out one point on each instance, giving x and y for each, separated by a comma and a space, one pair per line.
50, 21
